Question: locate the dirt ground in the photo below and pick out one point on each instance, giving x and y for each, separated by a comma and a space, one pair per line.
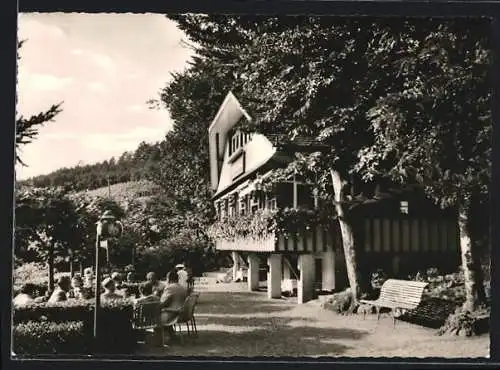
234, 322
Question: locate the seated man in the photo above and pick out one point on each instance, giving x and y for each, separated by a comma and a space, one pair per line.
109, 290
60, 294
25, 296
147, 296
172, 300
182, 275
157, 285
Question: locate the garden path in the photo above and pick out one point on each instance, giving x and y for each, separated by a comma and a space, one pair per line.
234, 322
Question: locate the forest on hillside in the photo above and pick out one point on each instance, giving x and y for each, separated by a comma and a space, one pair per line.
130, 166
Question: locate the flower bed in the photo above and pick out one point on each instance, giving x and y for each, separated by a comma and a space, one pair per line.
264, 223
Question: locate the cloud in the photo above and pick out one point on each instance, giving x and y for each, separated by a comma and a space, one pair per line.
77, 51
102, 60
96, 86
32, 28
42, 82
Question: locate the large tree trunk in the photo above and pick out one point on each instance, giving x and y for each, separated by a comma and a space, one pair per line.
471, 266
348, 240
51, 267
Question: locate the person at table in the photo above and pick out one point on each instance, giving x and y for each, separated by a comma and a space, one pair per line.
172, 300
109, 290
147, 296
77, 290
130, 277
60, 294
118, 279
157, 285
89, 278
182, 275
26, 296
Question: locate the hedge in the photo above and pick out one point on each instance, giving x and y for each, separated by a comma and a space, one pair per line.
44, 337
116, 334
40, 289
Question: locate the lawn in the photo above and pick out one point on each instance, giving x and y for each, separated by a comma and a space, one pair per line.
233, 322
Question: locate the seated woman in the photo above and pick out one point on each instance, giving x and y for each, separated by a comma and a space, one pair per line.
172, 300
78, 291
130, 277
88, 278
109, 290
60, 294
26, 296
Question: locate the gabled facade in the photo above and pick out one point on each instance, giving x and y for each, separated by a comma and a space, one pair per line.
239, 163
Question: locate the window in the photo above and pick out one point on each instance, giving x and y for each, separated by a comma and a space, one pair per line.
243, 206
224, 208
271, 203
284, 195
237, 140
305, 197
232, 206
255, 201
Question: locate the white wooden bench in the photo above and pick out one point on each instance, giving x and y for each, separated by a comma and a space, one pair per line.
397, 295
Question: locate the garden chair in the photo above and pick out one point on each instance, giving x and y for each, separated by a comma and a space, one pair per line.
186, 316
146, 317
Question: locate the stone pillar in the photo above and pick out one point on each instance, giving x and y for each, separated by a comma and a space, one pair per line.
286, 270
305, 288
236, 264
274, 276
328, 271
253, 271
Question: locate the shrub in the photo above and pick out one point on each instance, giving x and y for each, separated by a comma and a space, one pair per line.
339, 302
45, 337
35, 273
377, 279
115, 320
464, 322
37, 289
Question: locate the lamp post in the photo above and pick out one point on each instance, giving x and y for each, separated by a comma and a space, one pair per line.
107, 227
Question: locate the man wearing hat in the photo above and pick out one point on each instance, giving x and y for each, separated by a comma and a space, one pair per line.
182, 275
109, 290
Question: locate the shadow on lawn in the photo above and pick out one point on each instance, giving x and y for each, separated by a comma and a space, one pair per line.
283, 341
239, 304
248, 322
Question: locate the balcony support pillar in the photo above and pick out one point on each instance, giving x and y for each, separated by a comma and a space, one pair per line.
253, 271
274, 276
305, 289
236, 264
328, 271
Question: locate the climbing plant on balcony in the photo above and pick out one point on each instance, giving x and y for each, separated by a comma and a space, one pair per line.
265, 223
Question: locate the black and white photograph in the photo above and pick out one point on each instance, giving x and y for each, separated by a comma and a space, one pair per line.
221, 185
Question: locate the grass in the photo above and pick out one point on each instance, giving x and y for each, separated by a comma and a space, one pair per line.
233, 322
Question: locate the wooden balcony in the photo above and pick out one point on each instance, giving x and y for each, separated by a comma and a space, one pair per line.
318, 240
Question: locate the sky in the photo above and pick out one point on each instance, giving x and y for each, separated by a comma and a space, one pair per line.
104, 68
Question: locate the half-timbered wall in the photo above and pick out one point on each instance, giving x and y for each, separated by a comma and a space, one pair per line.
403, 246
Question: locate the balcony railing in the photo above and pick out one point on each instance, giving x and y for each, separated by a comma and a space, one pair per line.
266, 230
